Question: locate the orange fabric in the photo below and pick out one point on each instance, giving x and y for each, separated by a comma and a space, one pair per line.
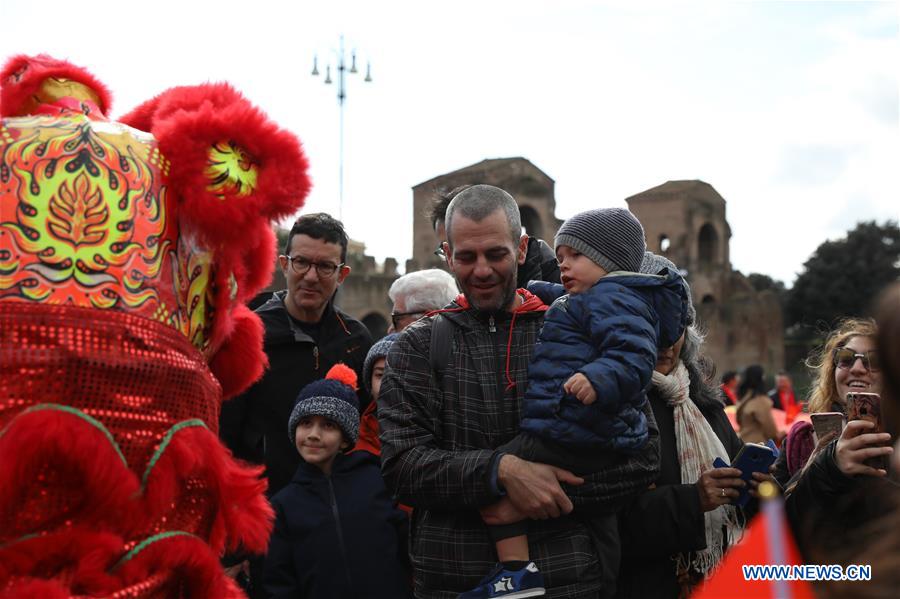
368, 432
758, 547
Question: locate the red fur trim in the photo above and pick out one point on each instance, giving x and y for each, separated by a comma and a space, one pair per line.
343, 373
186, 560
185, 98
97, 484
240, 360
187, 121
45, 589
141, 117
253, 270
244, 517
22, 75
78, 555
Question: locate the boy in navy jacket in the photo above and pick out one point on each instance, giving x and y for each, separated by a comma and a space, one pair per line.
585, 408
337, 533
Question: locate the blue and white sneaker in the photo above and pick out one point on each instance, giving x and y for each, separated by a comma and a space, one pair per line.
509, 584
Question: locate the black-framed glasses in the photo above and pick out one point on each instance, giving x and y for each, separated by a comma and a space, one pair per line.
397, 316
844, 358
324, 269
439, 251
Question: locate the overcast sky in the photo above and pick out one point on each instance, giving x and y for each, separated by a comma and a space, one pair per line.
788, 109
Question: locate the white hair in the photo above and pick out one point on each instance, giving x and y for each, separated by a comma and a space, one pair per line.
425, 290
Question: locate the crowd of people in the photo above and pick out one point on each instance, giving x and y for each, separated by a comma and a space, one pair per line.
538, 422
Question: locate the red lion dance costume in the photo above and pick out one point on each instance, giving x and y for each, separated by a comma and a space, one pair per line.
127, 252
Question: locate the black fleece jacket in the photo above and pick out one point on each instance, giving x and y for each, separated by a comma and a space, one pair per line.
255, 425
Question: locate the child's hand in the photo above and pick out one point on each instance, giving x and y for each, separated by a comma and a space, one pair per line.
579, 386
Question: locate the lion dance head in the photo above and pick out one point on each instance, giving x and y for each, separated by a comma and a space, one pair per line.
128, 250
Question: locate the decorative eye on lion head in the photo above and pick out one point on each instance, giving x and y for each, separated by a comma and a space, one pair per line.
166, 213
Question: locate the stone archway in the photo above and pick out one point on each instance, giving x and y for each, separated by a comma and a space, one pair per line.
708, 245
531, 222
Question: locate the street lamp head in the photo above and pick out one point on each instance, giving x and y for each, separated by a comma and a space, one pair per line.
353, 62
315, 70
368, 72
328, 75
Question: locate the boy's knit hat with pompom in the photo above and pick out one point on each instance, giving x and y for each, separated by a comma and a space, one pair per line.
333, 397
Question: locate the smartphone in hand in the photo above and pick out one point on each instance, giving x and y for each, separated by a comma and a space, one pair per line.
825, 423
867, 406
751, 458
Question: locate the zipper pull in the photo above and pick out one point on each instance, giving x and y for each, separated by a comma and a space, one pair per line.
491, 327
316, 355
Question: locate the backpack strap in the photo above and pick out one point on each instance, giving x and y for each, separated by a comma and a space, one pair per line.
441, 349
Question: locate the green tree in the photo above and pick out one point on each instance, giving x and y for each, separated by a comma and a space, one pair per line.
843, 276
281, 234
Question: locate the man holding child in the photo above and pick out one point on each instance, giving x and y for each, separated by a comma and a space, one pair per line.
445, 412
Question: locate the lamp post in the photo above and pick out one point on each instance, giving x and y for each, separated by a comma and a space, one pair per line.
342, 97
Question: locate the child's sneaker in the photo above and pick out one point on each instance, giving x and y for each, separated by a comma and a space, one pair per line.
509, 584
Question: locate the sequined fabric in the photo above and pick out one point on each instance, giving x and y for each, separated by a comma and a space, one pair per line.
141, 381
136, 376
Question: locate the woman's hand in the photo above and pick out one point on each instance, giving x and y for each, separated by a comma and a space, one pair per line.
719, 486
855, 445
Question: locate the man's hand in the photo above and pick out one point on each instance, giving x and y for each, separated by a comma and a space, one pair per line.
501, 512
579, 386
534, 488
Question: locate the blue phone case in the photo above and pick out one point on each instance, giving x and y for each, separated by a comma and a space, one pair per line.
751, 458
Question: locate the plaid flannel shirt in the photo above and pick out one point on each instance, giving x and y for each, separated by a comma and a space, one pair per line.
438, 441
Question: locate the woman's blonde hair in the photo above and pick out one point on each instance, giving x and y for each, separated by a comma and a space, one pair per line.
821, 363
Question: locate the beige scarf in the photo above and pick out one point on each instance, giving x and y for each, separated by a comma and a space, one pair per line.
698, 446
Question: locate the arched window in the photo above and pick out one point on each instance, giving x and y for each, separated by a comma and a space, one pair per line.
664, 244
708, 241
531, 221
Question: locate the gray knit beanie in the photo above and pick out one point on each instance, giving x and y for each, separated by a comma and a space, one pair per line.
653, 264
611, 237
379, 349
333, 397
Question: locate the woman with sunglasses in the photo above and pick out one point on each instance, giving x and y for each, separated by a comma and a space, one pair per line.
834, 490
841, 365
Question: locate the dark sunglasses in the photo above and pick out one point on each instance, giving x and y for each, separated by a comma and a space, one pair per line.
396, 316
845, 357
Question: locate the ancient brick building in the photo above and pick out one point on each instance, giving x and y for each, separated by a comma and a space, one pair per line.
685, 221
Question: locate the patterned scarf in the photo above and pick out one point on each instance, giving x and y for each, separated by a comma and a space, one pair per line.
698, 446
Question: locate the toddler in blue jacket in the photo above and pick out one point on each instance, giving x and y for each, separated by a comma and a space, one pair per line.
337, 532
585, 408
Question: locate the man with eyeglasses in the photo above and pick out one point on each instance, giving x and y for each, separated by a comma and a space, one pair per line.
305, 335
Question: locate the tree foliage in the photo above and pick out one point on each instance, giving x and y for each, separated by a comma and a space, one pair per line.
281, 234
843, 276
761, 282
